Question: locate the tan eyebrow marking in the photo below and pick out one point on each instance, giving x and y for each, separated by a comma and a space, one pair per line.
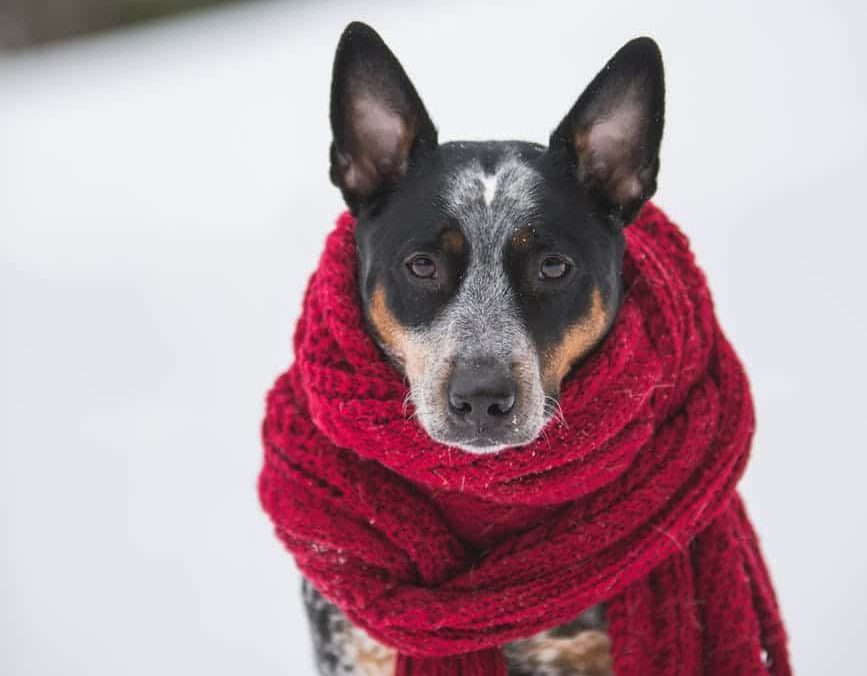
521, 237
453, 241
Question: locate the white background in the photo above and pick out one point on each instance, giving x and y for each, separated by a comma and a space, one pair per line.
164, 196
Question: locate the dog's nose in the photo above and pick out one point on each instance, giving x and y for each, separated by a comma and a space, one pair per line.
481, 392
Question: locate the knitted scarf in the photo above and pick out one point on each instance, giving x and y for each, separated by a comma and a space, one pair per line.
629, 499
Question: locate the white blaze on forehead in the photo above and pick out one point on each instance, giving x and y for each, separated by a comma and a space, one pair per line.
489, 187
473, 190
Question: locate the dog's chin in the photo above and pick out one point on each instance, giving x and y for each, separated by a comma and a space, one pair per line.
483, 444
481, 448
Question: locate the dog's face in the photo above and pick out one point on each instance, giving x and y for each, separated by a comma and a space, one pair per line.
487, 271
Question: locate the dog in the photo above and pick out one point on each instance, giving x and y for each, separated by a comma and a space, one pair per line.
487, 272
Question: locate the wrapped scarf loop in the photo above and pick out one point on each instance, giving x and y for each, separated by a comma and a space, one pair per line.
629, 500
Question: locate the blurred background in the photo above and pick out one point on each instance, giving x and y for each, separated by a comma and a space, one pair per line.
24, 23
164, 196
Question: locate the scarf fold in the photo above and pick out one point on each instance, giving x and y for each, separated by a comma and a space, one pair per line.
629, 499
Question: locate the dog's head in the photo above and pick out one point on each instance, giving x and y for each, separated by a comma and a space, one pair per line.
488, 270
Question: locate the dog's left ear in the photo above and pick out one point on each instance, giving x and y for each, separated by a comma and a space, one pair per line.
612, 134
379, 123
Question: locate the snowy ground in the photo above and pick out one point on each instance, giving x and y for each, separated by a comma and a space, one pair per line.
163, 197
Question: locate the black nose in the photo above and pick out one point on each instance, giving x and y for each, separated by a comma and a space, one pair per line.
481, 392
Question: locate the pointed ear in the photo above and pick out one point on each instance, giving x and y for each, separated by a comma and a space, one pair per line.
613, 131
378, 121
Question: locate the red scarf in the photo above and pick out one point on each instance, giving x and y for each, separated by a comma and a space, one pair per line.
630, 500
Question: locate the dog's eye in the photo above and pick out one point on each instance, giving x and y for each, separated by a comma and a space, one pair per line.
422, 266
553, 267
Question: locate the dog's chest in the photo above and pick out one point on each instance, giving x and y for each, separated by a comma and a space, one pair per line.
579, 648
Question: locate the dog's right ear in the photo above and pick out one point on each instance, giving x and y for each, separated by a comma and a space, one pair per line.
378, 121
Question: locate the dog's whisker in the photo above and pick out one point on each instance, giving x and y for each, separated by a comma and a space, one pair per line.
553, 409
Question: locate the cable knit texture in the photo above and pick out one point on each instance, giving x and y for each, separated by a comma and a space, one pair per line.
629, 500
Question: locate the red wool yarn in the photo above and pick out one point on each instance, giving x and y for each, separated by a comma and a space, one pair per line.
629, 500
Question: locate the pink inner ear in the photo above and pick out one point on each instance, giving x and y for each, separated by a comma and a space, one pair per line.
609, 152
380, 145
